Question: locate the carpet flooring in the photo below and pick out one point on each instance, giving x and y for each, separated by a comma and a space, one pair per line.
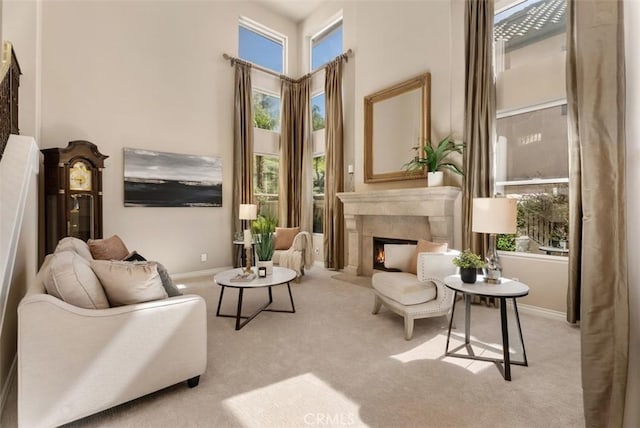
334, 364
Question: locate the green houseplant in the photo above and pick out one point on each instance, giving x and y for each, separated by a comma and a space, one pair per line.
434, 159
262, 229
468, 263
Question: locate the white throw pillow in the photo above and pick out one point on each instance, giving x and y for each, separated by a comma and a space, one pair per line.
69, 277
398, 256
76, 245
127, 283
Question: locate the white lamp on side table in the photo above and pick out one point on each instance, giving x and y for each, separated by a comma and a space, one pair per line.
248, 212
493, 216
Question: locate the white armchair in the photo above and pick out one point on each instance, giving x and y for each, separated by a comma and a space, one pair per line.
297, 257
416, 296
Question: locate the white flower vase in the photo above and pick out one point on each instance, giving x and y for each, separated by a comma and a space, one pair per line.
435, 179
268, 264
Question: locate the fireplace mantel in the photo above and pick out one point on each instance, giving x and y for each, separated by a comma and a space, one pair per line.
438, 207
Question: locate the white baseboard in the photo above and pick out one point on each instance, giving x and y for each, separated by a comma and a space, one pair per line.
7, 384
543, 312
197, 273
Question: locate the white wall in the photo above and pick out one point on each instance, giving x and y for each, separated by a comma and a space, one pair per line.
149, 75
632, 34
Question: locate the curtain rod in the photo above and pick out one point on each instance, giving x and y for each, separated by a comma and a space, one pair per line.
232, 59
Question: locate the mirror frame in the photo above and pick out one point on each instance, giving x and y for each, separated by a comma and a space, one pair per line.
422, 82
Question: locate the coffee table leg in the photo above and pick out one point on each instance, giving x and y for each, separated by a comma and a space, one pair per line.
453, 311
524, 352
238, 314
220, 301
505, 338
467, 318
293, 308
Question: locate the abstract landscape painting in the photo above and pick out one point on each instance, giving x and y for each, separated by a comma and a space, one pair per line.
160, 179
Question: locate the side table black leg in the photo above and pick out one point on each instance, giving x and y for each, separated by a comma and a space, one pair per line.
220, 300
505, 338
238, 314
467, 318
524, 352
453, 311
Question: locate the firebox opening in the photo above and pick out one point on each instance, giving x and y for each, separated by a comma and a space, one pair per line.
378, 251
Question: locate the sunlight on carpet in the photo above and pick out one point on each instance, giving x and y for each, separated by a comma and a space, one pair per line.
305, 398
433, 349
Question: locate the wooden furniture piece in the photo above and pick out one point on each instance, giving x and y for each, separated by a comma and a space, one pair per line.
73, 192
506, 289
279, 276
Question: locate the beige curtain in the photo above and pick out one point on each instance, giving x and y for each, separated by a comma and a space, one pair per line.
480, 113
334, 165
295, 207
242, 142
598, 289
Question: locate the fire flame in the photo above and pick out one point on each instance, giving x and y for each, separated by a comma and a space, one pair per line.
380, 256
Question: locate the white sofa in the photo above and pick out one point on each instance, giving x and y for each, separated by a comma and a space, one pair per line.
416, 296
73, 362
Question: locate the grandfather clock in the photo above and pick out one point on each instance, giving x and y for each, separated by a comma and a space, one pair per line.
73, 192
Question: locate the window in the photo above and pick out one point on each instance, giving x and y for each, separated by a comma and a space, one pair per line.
261, 46
265, 183
265, 47
317, 111
266, 111
318, 119
531, 160
326, 45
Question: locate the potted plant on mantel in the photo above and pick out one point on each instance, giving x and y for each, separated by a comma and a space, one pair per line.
434, 160
262, 229
469, 263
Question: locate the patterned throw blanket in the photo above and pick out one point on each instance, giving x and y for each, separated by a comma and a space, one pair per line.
300, 255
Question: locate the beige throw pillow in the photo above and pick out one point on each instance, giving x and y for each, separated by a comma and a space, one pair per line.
69, 277
108, 249
398, 256
426, 247
285, 236
127, 283
76, 245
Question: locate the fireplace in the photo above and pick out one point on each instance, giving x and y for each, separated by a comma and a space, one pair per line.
431, 213
378, 251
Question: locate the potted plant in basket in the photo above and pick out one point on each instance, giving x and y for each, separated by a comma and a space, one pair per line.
468, 263
434, 160
262, 229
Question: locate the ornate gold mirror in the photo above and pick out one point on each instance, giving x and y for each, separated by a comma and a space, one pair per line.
396, 119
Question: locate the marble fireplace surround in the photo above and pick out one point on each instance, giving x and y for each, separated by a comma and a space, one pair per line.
432, 213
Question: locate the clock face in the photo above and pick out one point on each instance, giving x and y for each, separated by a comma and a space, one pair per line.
79, 177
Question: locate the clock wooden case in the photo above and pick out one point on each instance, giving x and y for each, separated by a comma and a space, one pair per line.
73, 192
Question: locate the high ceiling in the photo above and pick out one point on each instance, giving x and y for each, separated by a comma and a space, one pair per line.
295, 10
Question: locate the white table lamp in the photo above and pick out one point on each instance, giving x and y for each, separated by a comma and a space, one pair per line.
493, 216
248, 212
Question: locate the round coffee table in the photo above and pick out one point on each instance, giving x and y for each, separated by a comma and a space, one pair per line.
279, 276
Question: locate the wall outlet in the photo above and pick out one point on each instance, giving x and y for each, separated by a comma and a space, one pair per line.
203, 257
316, 250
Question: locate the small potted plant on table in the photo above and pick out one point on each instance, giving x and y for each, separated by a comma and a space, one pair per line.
263, 228
469, 263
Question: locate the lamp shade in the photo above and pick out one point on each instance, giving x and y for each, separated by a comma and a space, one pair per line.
248, 212
494, 215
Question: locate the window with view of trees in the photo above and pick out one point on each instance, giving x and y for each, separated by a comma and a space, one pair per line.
263, 46
325, 46
531, 149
